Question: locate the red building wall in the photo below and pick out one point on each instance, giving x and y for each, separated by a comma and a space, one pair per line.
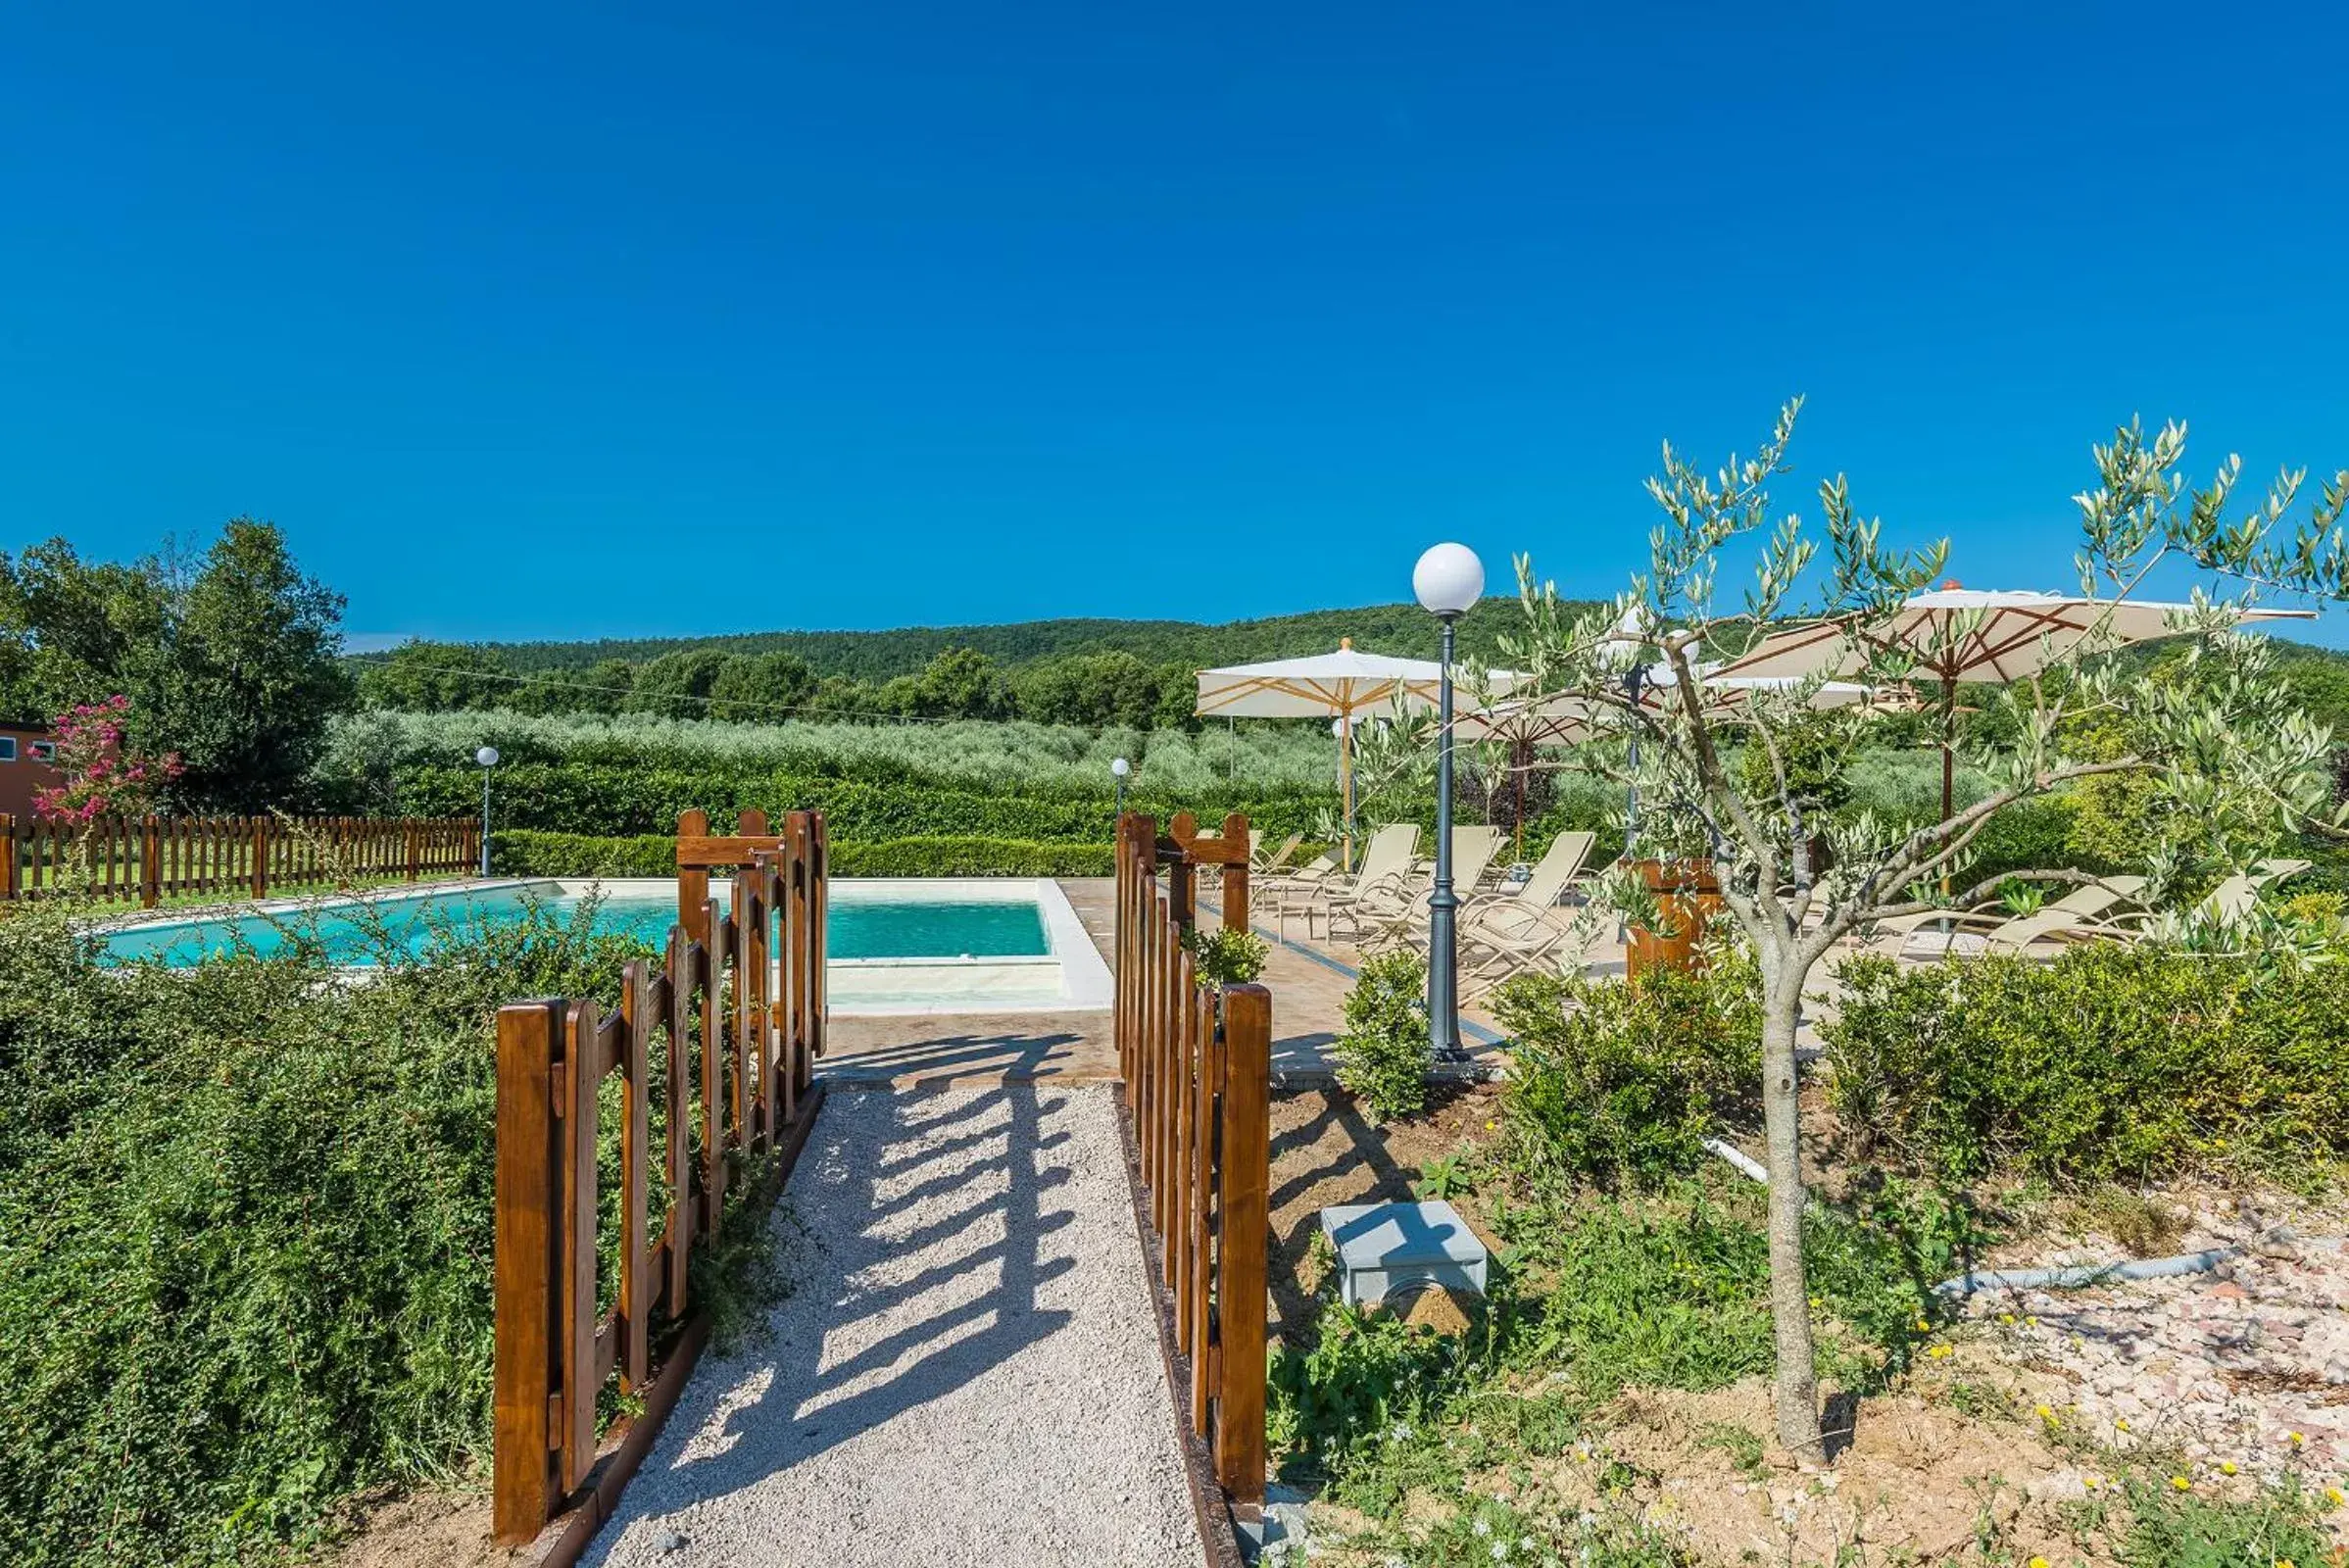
22, 774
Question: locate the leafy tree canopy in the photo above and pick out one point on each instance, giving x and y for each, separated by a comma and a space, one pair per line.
232, 659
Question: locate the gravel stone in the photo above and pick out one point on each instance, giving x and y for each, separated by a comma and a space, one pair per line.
2228, 1366
965, 1370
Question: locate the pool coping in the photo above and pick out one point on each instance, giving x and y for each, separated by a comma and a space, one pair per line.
1086, 983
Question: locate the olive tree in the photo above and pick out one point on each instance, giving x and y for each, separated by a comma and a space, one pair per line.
2233, 764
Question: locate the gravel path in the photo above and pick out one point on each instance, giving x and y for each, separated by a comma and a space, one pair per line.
965, 1370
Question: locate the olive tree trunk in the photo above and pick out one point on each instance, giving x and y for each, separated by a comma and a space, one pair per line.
1789, 1288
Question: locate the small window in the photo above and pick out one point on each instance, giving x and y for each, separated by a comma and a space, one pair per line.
8, 748
44, 751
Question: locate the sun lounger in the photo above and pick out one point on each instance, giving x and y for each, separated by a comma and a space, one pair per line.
1386, 860
1386, 918
1507, 932
1262, 864
2084, 903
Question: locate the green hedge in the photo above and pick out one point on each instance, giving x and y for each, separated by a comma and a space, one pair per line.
2107, 1062
1617, 1082
607, 799
245, 1234
973, 857
522, 852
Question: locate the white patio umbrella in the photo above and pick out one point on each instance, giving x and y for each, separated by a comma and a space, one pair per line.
1571, 719
1966, 634
1344, 685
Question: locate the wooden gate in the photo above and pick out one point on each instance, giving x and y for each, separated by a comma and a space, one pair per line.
740, 1017
1197, 1066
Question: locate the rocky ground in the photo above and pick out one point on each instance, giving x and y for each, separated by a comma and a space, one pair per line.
2246, 1365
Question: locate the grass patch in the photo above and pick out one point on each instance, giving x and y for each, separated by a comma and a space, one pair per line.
246, 1217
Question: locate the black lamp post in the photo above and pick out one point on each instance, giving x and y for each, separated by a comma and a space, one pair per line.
1449, 579
1119, 767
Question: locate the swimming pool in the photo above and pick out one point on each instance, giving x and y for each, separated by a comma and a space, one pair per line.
894, 945
359, 935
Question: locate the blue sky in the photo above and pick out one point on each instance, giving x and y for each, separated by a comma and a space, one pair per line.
592, 321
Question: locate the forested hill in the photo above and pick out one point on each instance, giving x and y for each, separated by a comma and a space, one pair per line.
879, 655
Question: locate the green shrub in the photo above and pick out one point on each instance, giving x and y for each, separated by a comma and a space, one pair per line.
1367, 1373
1383, 1053
1227, 956
2320, 909
2109, 1062
525, 852
973, 857
1623, 1080
245, 1233
1674, 1291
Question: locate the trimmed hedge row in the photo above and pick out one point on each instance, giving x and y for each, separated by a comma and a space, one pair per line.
603, 800
2108, 1063
522, 852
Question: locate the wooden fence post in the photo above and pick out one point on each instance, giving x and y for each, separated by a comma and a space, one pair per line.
416, 851
1240, 1246
1235, 875
260, 857
693, 885
7, 855
150, 872
526, 1365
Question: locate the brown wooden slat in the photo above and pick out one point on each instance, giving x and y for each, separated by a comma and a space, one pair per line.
698, 852
636, 1156
1247, 1179
577, 1439
524, 1485
1209, 1115
676, 1002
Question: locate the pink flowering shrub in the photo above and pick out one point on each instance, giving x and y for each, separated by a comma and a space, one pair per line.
102, 778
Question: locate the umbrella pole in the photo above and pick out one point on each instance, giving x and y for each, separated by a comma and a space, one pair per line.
1346, 784
1517, 754
1948, 766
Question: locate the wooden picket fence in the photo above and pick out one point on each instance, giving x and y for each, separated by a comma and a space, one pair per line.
123, 858
1196, 1064
739, 1017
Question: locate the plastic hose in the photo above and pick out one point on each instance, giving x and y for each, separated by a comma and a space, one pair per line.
2070, 1278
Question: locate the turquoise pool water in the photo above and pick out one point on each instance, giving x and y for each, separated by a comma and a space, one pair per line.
854, 928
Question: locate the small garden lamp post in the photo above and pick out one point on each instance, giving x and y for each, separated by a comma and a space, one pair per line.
1449, 579
487, 756
1120, 767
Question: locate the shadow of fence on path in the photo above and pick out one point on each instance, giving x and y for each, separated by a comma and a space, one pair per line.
1005, 1230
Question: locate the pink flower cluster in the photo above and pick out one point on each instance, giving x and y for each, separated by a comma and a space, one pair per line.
99, 776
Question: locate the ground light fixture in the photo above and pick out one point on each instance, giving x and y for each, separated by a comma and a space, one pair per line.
1119, 767
1448, 580
487, 758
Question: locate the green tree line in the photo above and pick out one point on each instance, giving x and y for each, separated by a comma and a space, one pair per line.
877, 657
1091, 690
